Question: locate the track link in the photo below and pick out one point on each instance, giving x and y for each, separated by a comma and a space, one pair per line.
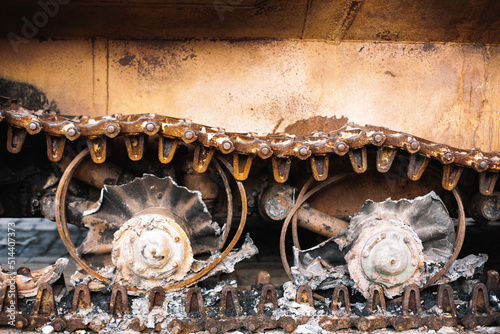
262, 311
280, 148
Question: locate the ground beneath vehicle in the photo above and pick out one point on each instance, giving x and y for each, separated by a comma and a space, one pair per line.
158, 193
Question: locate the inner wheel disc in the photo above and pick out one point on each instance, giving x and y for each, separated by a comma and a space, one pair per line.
149, 248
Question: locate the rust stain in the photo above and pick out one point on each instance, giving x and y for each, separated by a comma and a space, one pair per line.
126, 60
316, 123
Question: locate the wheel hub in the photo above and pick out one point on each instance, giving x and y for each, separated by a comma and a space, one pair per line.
390, 257
151, 247
386, 253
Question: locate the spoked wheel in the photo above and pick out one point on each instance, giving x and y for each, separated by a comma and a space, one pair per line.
386, 243
152, 227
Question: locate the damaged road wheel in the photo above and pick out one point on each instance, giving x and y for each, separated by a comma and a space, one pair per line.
392, 244
147, 232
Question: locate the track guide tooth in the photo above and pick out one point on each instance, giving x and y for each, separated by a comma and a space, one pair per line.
319, 166
194, 302
417, 166
241, 166
385, 158
8, 297
118, 305
44, 301
224, 295
336, 299
482, 314
281, 168
304, 295
15, 139
202, 157
375, 303
156, 297
267, 296
358, 160
55, 147
135, 146
451, 175
98, 148
487, 182
409, 321
166, 149
81, 298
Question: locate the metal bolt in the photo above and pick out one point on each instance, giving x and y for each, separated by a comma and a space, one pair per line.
111, 128
483, 164
414, 262
303, 151
265, 150
406, 240
175, 264
32, 126
213, 330
365, 253
71, 132
341, 147
383, 236
58, 325
19, 324
252, 327
189, 134
414, 145
226, 146
177, 239
377, 138
448, 156
150, 127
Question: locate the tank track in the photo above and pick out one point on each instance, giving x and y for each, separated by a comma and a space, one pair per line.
244, 148
281, 148
253, 310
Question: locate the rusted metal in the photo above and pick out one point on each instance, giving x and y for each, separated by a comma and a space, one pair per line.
385, 158
411, 301
44, 302
267, 296
202, 157
487, 182
446, 304
15, 139
451, 175
376, 306
417, 166
194, 302
135, 146
492, 280
340, 299
263, 277
119, 305
358, 159
482, 314
281, 168
242, 164
304, 295
166, 149
156, 297
233, 301
81, 298
319, 166
55, 147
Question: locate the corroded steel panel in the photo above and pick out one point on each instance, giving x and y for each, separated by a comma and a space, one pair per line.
445, 93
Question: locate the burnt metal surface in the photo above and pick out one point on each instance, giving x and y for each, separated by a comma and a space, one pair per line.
253, 310
282, 148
